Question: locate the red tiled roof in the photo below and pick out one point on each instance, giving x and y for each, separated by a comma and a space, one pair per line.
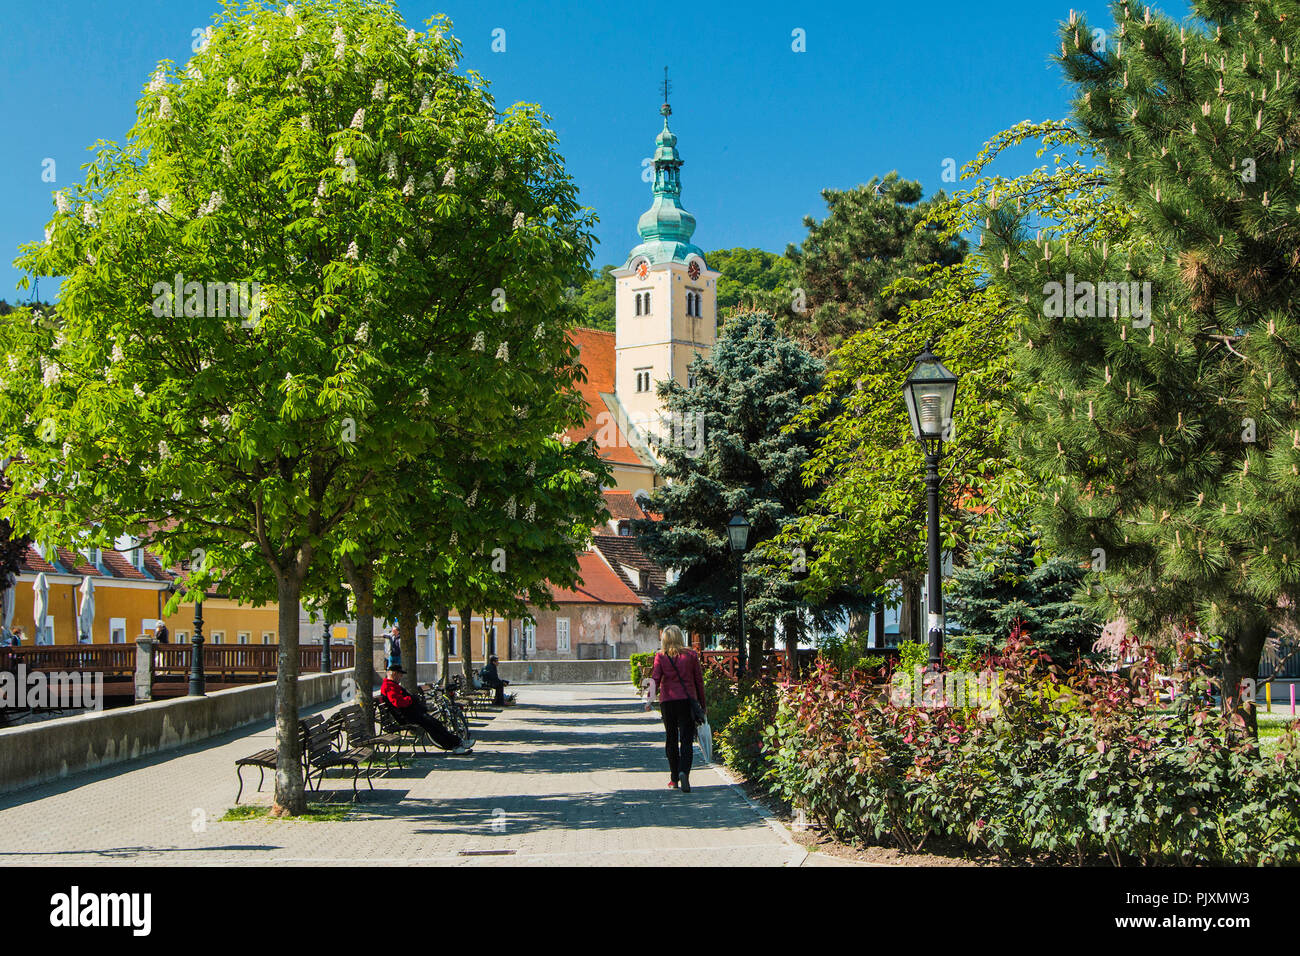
76, 562
33, 563
620, 550
119, 567
622, 505
596, 350
599, 585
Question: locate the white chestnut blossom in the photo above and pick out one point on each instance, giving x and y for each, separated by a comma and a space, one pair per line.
165, 204
378, 92
519, 220
410, 37
61, 202
116, 355
288, 10
408, 189
163, 450
194, 73
164, 108
305, 123
339, 158
503, 352
88, 214
390, 160
232, 86
359, 118
214, 203
157, 81
50, 372
306, 63
491, 125
139, 392
353, 252
363, 333
450, 178
479, 344
425, 103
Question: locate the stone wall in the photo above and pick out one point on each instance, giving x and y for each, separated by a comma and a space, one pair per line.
55, 748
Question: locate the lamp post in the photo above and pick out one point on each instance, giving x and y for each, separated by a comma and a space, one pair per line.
738, 535
326, 666
197, 682
931, 393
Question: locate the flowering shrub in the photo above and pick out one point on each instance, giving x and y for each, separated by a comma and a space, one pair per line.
1074, 765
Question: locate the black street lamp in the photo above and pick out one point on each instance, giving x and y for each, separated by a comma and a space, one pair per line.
326, 666
931, 393
197, 682
738, 534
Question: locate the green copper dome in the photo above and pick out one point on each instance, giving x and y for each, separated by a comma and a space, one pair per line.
666, 227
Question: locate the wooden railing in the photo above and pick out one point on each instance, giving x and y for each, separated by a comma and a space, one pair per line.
222, 662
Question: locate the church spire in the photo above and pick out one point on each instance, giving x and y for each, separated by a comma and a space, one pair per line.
666, 228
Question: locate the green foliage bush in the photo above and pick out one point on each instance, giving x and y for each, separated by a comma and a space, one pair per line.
739, 742
640, 666
1072, 766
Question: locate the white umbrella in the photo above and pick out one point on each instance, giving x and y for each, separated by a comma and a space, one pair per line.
40, 606
87, 617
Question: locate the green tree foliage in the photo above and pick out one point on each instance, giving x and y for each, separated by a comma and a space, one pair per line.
847, 266
595, 300
867, 524
1012, 581
739, 456
751, 280
1168, 433
411, 245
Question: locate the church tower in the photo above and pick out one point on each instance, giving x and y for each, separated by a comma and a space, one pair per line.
665, 298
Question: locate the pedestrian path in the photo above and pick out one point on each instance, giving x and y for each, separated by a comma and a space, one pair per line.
571, 775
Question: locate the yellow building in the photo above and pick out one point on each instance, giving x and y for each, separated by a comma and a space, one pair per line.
131, 589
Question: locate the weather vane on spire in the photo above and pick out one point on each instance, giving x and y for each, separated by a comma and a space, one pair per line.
666, 109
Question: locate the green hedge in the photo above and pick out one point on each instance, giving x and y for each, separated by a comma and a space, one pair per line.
641, 665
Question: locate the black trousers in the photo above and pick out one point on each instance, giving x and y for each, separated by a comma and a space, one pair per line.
679, 734
499, 686
442, 737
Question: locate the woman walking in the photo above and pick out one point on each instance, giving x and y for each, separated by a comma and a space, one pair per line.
679, 680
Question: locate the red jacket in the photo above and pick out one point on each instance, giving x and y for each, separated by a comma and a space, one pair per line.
686, 680
396, 694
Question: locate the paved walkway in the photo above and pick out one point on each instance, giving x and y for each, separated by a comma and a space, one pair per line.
571, 775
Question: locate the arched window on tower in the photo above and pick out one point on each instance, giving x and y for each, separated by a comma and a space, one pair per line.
637, 296
647, 302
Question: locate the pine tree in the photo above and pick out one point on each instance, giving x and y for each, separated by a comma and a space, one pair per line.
1013, 582
1164, 407
743, 398
872, 235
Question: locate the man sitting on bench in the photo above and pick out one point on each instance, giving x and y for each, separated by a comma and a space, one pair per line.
488, 674
413, 711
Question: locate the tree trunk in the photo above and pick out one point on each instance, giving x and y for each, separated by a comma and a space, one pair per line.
362, 580
444, 655
879, 617
909, 623
406, 619
757, 645
466, 646
1241, 662
290, 797
792, 647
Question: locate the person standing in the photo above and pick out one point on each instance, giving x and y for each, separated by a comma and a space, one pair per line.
680, 680
395, 648
161, 634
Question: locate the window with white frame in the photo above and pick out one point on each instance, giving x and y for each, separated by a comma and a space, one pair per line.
244, 637
530, 637
562, 635
182, 637
643, 379
268, 637
218, 637
117, 630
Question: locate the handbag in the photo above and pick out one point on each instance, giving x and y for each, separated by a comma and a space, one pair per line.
697, 712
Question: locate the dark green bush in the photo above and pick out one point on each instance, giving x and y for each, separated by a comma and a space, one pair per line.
640, 666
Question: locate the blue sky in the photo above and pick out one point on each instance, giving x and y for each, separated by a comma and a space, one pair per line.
762, 128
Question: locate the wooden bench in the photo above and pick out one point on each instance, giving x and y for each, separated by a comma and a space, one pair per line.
320, 756
350, 724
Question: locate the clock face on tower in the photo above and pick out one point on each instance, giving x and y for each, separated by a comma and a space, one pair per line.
693, 270
642, 269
